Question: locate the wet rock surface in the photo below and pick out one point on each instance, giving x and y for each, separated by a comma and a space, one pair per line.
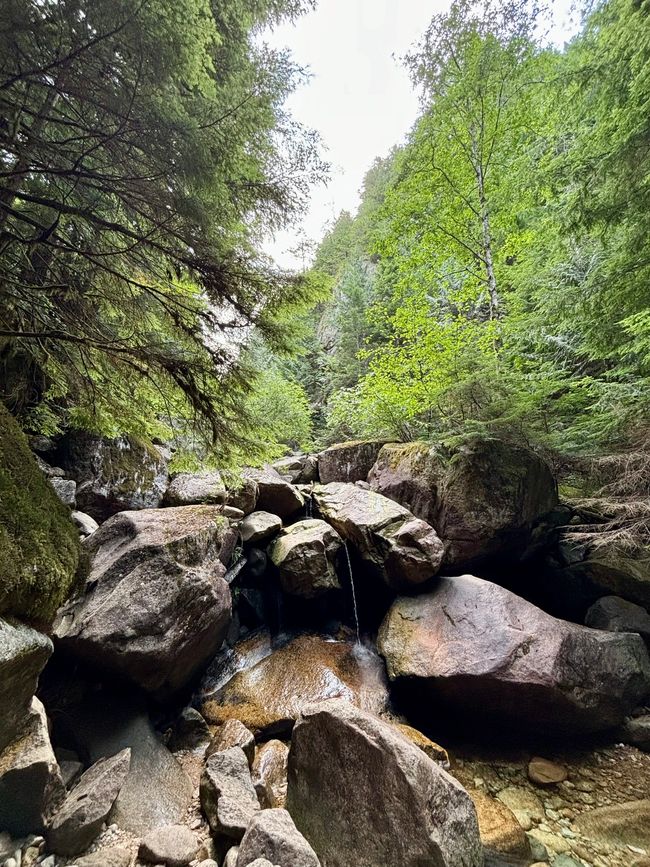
474, 647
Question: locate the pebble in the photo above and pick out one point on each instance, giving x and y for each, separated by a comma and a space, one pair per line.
543, 772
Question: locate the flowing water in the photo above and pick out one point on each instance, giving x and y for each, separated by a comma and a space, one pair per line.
354, 595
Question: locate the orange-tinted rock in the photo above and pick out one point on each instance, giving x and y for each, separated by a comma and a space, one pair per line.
433, 750
498, 826
270, 773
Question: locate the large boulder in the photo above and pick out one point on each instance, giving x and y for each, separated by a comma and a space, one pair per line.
614, 614
275, 495
113, 475
79, 819
348, 462
242, 493
482, 501
39, 544
306, 554
246, 653
155, 606
592, 571
23, 654
190, 489
402, 549
273, 835
258, 526
270, 696
476, 648
30, 779
297, 469
363, 794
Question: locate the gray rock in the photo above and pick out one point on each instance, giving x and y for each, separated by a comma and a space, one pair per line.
173, 845
348, 462
113, 856
274, 494
270, 773
400, 548
605, 569
273, 835
305, 555
191, 732
233, 733
23, 654
85, 523
79, 819
188, 489
113, 474
48, 470
242, 494
70, 772
231, 857
66, 490
155, 606
614, 614
228, 797
30, 780
407, 810
636, 731
261, 862
478, 649
259, 526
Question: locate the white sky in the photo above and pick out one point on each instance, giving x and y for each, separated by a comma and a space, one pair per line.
359, 96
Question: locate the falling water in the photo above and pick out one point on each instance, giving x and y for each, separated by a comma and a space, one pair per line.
308, 506
354, 595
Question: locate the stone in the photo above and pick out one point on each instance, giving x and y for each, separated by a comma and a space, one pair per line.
604, 569
614, 614
565, 860
297, 469
233, 733
30, 780
274, 494
269, 773
231, 660
85, 524
80, 817
228, 797
305, 555
23, 654
524, 804
482, 500
348, 462
430, 748
242, 494
552, 842
66, 491
261, 862
636, 731
39, 544
273, 835
231, 857
259, 526
191, 732
189, 489
498, 826
173, 845
543, 772
626, 824
113, 475
406, 809
113, 856
70, 772
270, 696
401, 549
476, 648
155, 606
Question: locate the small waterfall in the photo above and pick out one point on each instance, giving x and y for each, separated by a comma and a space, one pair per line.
354, 595
309, 506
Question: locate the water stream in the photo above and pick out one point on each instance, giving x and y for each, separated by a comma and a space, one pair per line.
354, 595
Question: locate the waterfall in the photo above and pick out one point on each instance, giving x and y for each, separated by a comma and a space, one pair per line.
354, 595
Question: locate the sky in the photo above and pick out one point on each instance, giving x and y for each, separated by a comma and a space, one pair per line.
358, 97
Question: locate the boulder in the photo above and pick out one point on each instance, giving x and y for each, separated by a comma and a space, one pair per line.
305, 555
113, 475
233, 733
475, 648
66, 490
270, 773
23, 654
189, 489
273, 835
401, 549
270, 696
626, 824
173, 845
79, 819
242, 493
274, 494
84, 523
483, 501
605, 569
614, 614
297, 469
228, 797
113, 856
230, 660
259, 526
348, 462
430, 748
363, 794
30, 780
155, 606
190, 733
39, 544
636, 731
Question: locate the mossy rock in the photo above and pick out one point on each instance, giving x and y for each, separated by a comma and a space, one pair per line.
39, 544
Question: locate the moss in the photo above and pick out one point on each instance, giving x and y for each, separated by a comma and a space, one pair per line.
39, 544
